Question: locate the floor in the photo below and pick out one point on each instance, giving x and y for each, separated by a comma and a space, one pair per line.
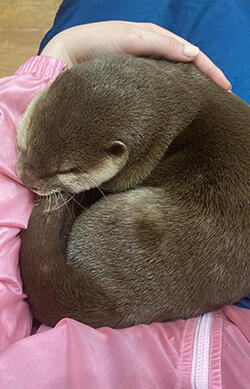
23, 23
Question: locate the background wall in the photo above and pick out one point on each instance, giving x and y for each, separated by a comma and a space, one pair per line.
23, 23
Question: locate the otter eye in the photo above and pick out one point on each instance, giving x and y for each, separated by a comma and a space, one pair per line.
70, 170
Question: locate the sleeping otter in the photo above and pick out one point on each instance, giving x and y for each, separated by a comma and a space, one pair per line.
169, 151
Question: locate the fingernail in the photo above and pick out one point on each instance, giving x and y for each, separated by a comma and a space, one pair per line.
191, 51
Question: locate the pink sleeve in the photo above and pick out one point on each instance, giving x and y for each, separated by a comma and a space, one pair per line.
16, 92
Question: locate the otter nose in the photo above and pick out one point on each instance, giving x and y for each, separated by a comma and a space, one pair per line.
29, 178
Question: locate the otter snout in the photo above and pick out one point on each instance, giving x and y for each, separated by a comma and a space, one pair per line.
27, 176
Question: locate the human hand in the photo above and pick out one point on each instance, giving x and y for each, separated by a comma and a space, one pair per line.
88, 41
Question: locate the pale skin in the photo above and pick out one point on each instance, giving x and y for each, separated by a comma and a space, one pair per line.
88, 41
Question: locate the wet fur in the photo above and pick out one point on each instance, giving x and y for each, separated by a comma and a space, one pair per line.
172, 237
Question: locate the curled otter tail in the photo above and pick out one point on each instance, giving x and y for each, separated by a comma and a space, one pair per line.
54, 288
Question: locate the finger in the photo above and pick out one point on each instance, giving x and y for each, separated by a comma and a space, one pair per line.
201, 60
145, 42
211, 70
160, 30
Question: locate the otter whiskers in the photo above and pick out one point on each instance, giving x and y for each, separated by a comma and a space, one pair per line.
92, 179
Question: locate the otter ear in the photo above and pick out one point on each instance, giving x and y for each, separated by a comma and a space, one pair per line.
118, 151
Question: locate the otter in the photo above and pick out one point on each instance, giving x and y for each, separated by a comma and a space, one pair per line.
168, 236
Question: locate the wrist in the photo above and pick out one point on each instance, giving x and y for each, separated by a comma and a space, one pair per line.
56, 48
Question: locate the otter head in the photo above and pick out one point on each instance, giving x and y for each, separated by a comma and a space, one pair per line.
70, 137
95, 125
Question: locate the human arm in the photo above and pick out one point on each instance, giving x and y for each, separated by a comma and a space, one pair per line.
85, 42
16, 92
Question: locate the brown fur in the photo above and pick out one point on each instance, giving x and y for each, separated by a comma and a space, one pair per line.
172, 237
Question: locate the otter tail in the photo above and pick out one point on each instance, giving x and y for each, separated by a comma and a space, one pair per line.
54, 288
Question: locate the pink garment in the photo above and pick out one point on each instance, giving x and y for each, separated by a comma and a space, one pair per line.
212, 351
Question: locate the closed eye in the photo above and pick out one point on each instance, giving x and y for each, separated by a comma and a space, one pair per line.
73, 170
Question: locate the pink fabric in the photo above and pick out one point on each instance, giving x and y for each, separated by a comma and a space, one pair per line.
210, 352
